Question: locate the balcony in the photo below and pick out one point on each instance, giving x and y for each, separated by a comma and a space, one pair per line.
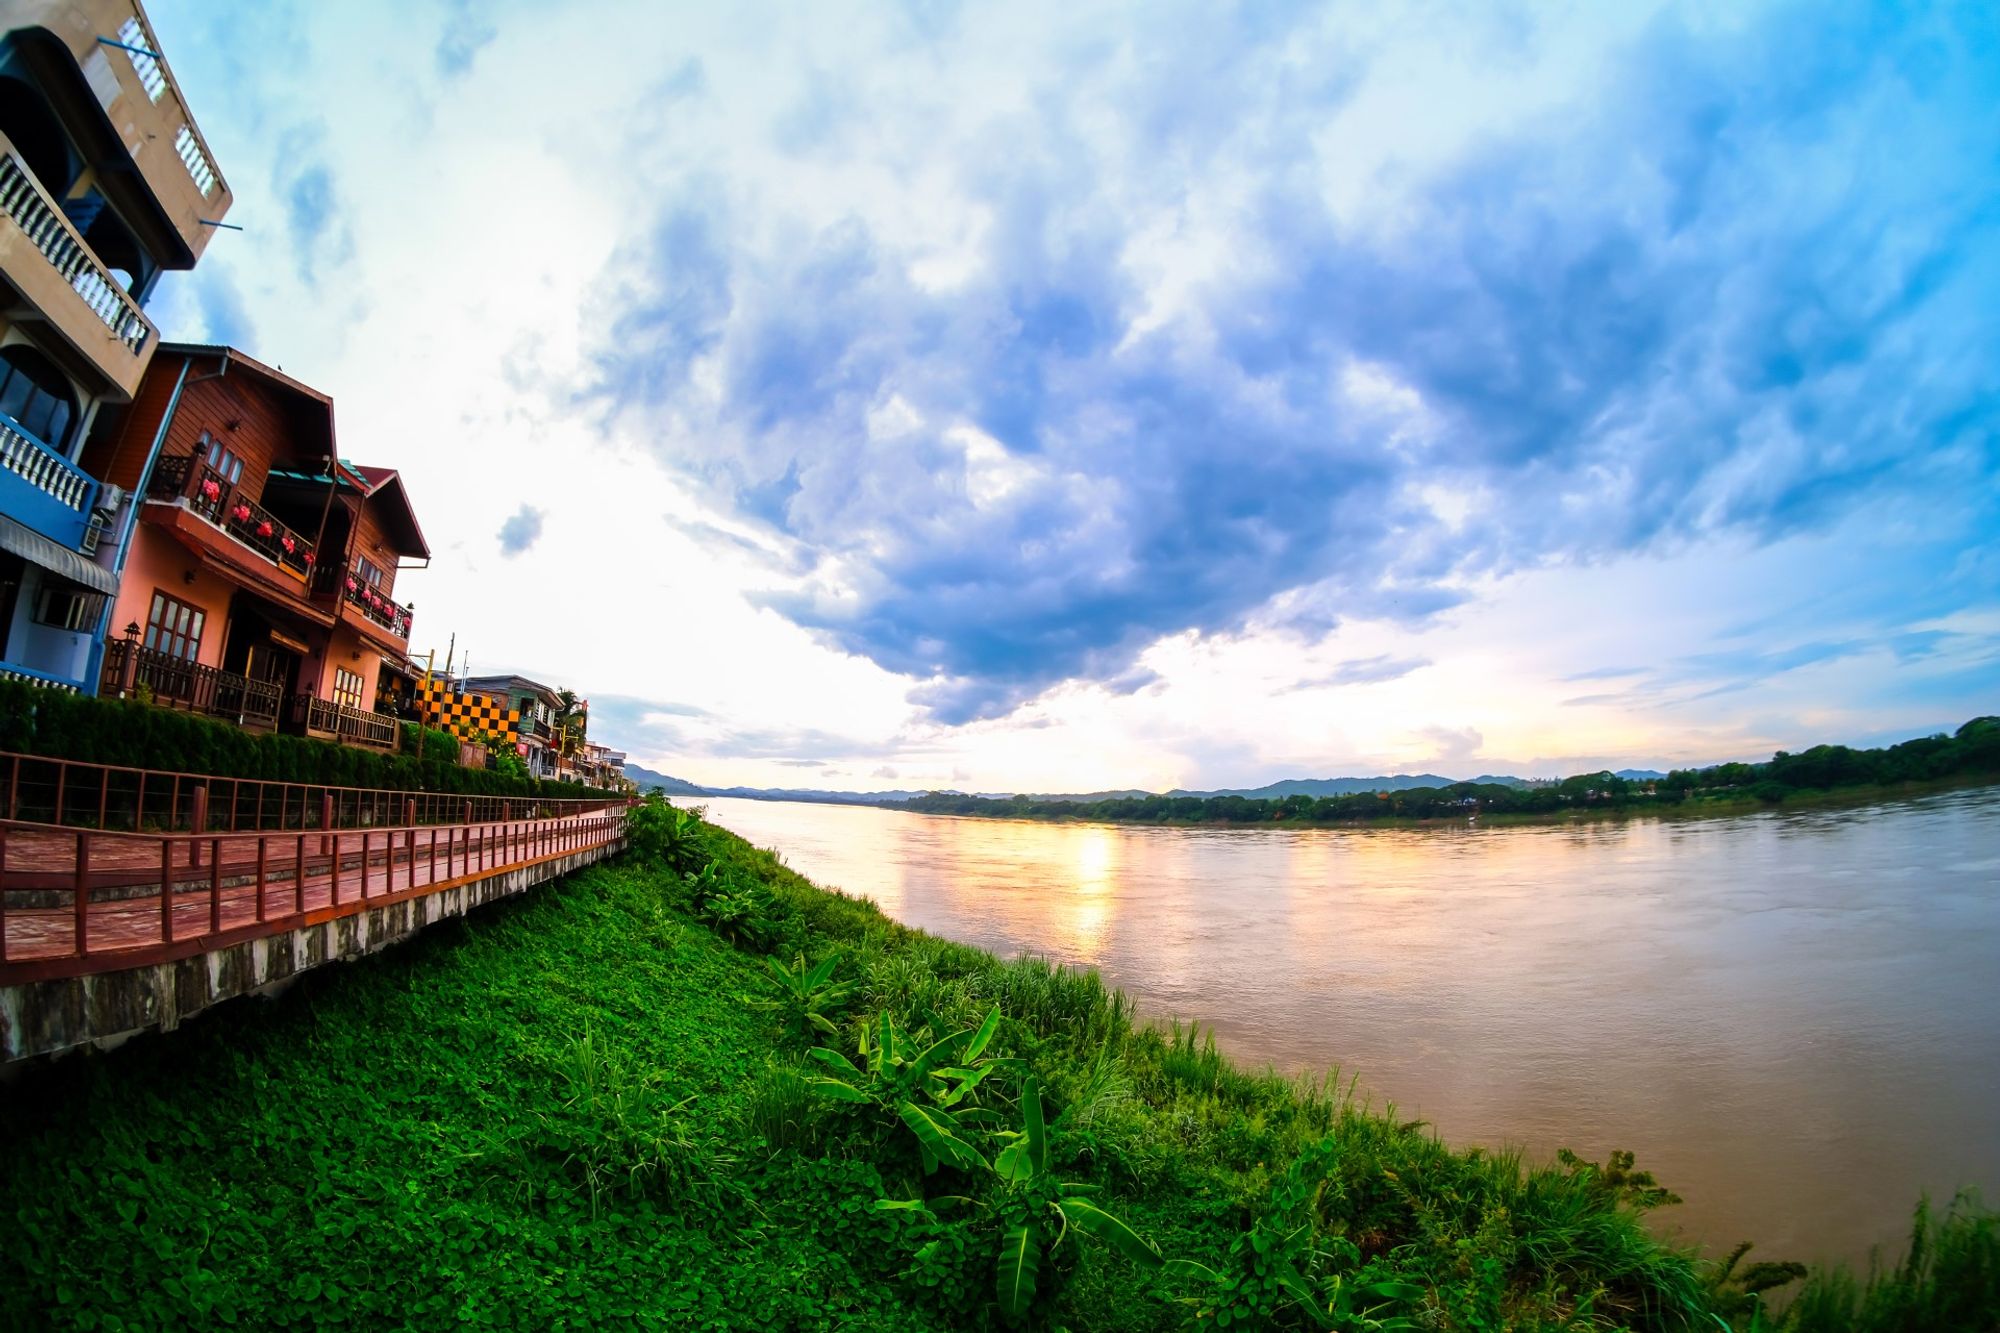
375, 607
175, 682
41, 488
323, 719
279, 557
45, 258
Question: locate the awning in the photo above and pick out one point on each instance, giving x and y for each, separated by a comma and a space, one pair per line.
72, 565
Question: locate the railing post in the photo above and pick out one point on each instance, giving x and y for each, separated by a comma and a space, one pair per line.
214, 885
81, 891
260, 876
198, 823
364, 865
468, 812
410, 812
299, 879
325, 821
3, 893
166, 890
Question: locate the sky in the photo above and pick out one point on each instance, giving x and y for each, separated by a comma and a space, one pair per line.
1061, 397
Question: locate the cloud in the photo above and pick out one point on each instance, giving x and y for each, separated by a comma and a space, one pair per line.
315, 215
1363, 671
522, 530
1606, 328
1453, 745
467, 32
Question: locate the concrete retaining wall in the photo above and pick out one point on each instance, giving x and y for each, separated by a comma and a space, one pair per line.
44, 1017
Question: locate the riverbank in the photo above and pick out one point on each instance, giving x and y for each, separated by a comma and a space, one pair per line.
577, 1110
1842, 798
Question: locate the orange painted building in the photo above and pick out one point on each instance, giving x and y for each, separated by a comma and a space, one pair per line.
260, 581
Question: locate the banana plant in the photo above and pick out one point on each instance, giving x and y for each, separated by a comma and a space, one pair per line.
806, 996
1035, 1211
929, 1088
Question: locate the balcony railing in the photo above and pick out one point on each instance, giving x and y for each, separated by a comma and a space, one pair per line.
178, 683
22, 200
372, 603
232, 510
52, 495
356, 726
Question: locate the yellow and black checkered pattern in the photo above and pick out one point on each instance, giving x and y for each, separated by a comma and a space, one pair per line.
466, 715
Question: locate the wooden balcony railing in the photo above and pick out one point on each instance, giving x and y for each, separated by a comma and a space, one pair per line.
374, 604
209, 494
178, 683
355, 726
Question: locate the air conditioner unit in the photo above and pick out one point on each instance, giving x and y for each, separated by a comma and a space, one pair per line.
110, 499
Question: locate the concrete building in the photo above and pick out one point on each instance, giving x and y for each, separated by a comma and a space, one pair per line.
105, 183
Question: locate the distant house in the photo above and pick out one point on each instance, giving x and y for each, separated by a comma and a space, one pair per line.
260, 580
535, 709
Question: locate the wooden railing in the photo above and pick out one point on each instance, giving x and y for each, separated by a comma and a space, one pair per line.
229, 507
356, 726
23, 201
374, 604
79, 901
39, 789
178, 683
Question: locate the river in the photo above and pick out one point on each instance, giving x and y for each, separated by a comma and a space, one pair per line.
1793, 1018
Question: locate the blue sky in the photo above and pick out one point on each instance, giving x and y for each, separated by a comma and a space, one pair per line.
1033, 398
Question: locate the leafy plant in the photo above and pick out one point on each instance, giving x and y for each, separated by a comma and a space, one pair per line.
1281, 1273
934, 1099
806, 997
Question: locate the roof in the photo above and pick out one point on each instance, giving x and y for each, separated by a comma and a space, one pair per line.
508, 684
382, 488
394, 505
316, 403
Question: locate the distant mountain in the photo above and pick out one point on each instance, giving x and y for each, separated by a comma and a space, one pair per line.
1346, 786
648, 779
1639, 774
814, 794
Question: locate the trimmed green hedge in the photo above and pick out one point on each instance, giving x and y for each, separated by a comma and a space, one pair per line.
128, 734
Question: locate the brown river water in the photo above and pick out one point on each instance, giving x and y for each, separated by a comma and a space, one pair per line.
1792, 1018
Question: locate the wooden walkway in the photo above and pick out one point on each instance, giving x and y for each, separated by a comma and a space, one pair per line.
76, 902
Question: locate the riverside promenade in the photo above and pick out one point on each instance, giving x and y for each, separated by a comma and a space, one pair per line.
104, 934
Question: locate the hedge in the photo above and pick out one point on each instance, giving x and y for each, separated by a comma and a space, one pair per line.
128, 734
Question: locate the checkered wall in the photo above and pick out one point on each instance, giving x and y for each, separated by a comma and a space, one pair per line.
467, 714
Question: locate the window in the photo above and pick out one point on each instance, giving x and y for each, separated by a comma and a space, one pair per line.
370, 572
174, 628
346, 688
68, 608
226, 464
36, 393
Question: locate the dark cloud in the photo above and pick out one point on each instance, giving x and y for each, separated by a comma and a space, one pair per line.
1610, 325
522, 530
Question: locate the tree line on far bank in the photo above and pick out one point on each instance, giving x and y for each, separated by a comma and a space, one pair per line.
1972, 751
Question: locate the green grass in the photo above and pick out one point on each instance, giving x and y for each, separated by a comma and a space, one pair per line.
574, 1111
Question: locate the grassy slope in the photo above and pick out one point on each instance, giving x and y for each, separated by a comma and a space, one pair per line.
563, 1114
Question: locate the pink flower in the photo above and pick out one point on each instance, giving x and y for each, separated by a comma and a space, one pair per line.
241, 513
288, 544
264, 528
351, 584
210, 491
